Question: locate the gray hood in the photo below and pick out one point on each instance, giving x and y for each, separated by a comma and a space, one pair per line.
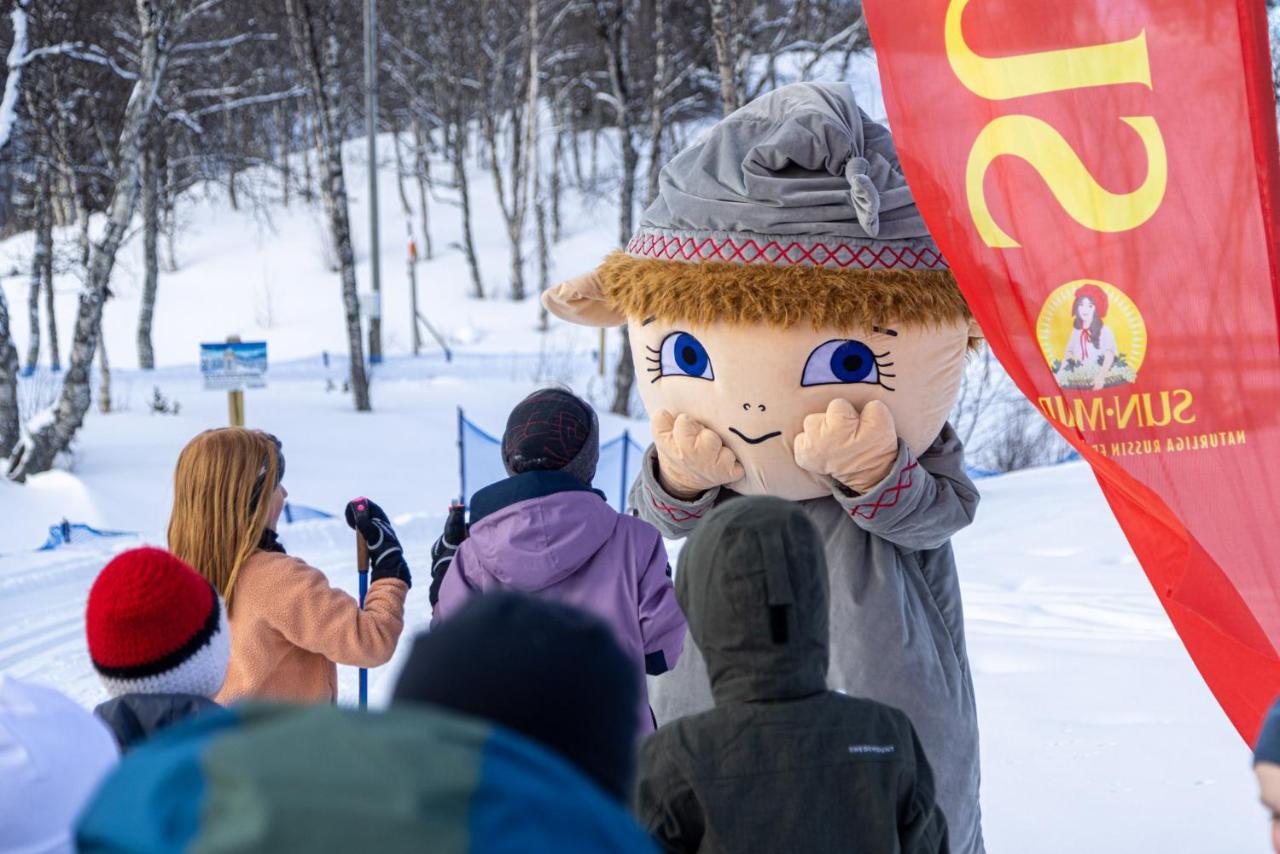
753, 585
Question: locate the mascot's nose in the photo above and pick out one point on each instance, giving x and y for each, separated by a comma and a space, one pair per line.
747, 407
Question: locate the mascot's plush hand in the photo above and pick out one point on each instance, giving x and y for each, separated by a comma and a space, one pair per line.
691, 458
856, 449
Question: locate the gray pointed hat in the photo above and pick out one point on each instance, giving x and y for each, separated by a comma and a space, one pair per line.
793, 208
800, 176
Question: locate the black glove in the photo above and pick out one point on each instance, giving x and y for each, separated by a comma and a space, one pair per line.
455, 531
385, 554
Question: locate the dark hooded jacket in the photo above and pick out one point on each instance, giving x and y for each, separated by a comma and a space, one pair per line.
134, 718
780, 763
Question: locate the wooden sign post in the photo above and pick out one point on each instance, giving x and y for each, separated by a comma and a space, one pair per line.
232, 367
235, 397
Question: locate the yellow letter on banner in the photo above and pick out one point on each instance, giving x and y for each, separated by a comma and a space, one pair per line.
1000, 78
1038, 143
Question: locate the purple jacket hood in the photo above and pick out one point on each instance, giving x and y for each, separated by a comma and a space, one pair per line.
539, 541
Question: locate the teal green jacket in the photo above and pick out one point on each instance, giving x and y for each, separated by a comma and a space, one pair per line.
321, 779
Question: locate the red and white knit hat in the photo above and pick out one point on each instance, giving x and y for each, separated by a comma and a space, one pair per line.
155, 626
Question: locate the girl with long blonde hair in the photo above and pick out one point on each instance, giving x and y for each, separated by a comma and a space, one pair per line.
289, 627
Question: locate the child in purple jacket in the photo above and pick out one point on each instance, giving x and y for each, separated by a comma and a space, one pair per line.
545, 532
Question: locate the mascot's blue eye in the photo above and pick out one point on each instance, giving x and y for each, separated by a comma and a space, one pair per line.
844, 361
683, 355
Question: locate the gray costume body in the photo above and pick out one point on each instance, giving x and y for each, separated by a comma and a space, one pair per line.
896, 621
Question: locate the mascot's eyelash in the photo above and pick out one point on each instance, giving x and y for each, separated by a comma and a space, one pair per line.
880, 370
657, 363
880, 366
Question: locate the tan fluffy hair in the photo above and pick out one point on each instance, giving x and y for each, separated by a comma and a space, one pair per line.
215, 525
709, 291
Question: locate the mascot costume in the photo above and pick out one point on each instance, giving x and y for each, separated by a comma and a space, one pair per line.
797, 333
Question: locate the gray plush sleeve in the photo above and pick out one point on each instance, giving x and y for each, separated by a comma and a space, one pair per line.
921, 503
673, 517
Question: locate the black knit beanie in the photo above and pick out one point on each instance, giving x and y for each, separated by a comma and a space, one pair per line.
552, 429
550, 672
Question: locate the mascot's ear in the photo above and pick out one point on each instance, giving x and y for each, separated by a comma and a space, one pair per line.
581, 300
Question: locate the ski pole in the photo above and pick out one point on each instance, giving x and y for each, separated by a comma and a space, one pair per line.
362, 568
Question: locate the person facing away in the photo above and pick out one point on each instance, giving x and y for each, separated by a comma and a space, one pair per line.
289, 627
1266, 765
546, 532
159, 641
52, 756
278, 778
781, 763
550, 672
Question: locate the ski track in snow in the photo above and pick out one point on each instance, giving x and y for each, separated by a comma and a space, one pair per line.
43, 595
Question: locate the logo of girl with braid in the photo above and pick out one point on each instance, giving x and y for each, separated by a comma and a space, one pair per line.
1092, 335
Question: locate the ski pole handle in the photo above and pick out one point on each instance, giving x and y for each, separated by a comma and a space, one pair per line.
362, 567
357, 510
362, 561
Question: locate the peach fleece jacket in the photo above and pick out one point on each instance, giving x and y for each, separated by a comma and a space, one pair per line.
289, 630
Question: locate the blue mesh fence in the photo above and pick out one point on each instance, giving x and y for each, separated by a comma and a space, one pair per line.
68, 533
302, 513
619, 465
480, 456
75, 533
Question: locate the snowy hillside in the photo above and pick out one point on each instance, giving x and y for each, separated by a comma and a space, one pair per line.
1097, 733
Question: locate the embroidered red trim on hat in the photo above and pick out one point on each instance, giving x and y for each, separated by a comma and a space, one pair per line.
820, 254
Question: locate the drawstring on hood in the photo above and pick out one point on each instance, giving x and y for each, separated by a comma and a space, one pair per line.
753, 585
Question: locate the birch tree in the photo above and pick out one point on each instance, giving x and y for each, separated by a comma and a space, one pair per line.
41, 263
161, 24
614, 21
8, 119
533, 152
314, 27
750, 36
226, 106
455, 89
151, 187
13, 75
505, 114
9, 426
725, 30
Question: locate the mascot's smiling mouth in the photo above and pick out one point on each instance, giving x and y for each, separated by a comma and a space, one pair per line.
755, 441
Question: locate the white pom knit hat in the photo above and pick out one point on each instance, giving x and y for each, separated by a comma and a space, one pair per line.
155, 626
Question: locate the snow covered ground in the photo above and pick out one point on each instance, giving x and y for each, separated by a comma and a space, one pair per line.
1098, 734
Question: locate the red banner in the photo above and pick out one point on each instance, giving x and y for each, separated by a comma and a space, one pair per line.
1102, 177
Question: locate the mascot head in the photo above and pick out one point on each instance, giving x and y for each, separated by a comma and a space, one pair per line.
784, 264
